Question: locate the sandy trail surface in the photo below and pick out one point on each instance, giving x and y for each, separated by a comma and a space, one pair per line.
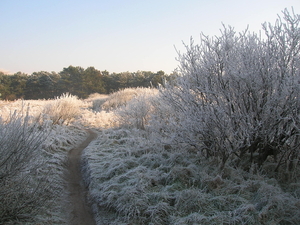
81, 213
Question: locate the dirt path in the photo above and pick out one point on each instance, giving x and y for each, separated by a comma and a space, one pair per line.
81, 213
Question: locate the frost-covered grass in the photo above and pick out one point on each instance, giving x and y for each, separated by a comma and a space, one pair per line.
140, 181
137, 175
129, 107
219, 145
54, 156
33, 155
8, 107
122, 97
40, 190
98, 120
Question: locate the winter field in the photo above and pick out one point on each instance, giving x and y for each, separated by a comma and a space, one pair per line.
217, 145
33, 156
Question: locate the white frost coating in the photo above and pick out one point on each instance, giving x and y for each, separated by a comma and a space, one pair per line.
33, 153
194, 154
220, 144
131, 181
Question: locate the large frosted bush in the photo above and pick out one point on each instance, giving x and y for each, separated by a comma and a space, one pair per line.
238, 96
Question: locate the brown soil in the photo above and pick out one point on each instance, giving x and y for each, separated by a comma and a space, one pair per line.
81, 213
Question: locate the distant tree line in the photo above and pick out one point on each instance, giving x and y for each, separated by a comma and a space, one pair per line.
74, 80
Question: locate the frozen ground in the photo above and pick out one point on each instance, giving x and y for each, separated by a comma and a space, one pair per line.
80, 212
48, 161
143, 182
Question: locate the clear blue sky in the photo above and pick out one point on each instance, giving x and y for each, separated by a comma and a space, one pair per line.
117, 35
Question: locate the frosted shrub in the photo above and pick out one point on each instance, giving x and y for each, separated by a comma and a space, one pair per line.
36, 108
32, 166
238, 96
63, 109
136, 113
21, 196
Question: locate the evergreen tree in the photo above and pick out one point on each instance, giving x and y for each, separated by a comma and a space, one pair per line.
18, 84
93, 81
5, 82
72, 80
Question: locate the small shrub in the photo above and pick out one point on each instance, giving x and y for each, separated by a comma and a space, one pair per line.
136, 113
63, 109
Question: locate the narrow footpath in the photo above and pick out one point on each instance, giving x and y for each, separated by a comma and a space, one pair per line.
81, 213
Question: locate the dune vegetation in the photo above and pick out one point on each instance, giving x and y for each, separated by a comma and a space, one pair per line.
217, 145
33, 156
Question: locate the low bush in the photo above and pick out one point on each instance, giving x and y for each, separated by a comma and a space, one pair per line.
136, 113
63, 109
